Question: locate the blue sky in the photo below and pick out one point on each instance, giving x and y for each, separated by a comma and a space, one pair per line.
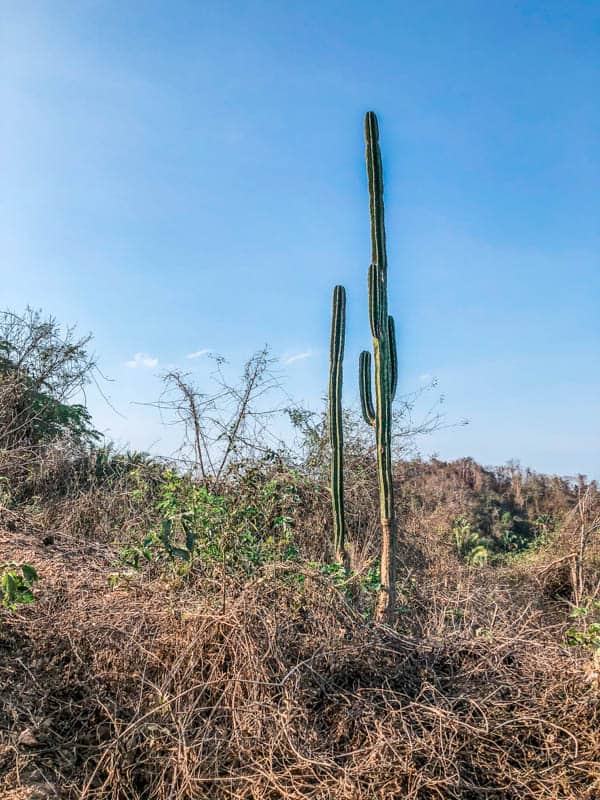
180, 176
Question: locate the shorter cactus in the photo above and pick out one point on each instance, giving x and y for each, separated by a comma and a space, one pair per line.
336, 428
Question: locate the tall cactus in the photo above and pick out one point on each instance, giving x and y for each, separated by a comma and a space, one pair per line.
336, 431
379, 415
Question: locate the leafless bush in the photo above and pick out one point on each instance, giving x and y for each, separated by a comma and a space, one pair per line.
229, 422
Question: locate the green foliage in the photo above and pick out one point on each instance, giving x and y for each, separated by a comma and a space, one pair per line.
365, 585
587, 633
108, 466
516, 537
51, 419
203, 530
495, 534
16, 585
371, 580
544, 526
191, 523
471, 547
335, 572
41, 369
513, 534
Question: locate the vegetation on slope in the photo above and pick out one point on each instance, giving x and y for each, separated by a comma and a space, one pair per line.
189, 633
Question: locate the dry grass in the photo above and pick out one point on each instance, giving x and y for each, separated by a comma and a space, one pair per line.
154, 690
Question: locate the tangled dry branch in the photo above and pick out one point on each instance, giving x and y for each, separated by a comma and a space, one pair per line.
141, 691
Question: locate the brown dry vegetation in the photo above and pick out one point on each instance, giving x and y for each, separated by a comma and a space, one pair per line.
256, 672
278, 684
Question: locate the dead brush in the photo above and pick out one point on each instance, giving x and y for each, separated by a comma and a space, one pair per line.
144, 692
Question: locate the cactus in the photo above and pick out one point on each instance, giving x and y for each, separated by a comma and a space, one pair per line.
379, 415
336, 431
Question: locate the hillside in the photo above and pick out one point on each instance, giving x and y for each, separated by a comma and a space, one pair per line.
275, 683
169, 633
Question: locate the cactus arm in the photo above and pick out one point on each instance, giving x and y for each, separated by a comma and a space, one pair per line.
364, 381
336, 430
393, 357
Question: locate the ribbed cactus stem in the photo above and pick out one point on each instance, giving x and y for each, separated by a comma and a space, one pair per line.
366, 397
386, 370
375, 180
336, 428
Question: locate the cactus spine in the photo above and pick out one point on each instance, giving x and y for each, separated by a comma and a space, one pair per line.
336, 431
379, 414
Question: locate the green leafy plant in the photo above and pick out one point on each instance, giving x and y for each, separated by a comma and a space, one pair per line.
545, 524
41, 368
371, 580
208, 530
16, 585
512, 537
192, 521
587, 634
471, 547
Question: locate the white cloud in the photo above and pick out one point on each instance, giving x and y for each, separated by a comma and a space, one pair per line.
297, 357
141, 361
198, 353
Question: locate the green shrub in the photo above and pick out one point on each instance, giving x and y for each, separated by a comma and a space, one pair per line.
587, 633
471, 547
16, 585
42, 368
201, 529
